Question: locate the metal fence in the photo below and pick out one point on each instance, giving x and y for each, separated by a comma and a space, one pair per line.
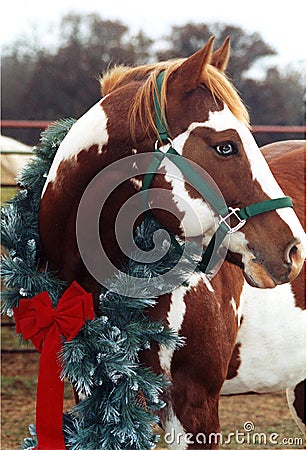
41, 124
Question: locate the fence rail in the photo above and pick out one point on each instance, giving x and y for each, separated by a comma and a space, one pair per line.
25, 123
279, 129
41, 124
14, 351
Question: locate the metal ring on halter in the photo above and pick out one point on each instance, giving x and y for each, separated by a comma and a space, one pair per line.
232, 212
160, 144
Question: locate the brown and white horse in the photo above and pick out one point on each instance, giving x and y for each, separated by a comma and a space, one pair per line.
208, 124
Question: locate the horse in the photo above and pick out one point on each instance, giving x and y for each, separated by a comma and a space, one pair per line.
208, 124
14, 155
296, 394
273, 322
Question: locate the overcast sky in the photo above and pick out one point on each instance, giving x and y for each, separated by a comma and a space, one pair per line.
281, 24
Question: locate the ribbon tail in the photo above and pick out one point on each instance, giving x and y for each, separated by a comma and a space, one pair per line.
50, 394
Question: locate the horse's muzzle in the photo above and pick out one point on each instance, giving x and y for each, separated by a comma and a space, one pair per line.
263, 273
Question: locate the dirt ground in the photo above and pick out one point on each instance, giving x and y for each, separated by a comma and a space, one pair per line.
269, 413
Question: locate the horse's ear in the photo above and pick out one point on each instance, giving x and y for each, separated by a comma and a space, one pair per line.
220, 57
187, 76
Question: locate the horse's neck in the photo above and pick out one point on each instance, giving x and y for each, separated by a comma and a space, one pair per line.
93, 144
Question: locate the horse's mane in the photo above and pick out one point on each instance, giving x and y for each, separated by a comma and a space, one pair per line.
212, 78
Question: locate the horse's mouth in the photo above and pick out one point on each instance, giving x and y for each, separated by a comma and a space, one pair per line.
263, 282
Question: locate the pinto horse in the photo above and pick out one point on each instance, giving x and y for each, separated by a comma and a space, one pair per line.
296, 394
208, 124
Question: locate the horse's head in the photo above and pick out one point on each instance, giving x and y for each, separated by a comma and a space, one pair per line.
208, 125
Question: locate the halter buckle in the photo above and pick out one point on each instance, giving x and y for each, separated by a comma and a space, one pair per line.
232, 212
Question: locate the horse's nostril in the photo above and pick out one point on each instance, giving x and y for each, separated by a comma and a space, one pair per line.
293, 253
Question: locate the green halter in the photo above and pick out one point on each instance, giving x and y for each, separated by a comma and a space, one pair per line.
210, 256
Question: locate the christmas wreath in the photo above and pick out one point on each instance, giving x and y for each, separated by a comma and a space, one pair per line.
100, 356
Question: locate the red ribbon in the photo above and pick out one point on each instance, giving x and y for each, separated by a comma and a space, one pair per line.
37, 320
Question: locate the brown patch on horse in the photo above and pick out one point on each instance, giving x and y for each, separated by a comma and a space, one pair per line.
57, 231
64, 194
214, 164
280, 148
299, 289
289, 168
235, 362
299, 403
287, 161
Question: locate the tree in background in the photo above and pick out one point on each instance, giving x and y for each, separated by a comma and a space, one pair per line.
64, 81
246, 49
61, 81
277, 98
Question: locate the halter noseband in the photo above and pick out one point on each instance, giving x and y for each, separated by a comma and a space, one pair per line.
210, 256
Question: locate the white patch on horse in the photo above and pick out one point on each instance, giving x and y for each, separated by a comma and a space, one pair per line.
207, 282
137, 184
176, 316
272, 337
174, 432
240, 310
238, 243
198, 217
89, 130
237, 311
233, 304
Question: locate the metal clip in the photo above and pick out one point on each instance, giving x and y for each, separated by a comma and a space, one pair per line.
233, 212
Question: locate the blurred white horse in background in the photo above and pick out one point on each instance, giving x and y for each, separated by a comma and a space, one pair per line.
14, 155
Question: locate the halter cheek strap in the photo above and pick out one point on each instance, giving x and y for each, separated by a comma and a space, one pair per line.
210, 257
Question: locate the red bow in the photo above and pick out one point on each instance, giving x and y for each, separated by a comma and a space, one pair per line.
37, 320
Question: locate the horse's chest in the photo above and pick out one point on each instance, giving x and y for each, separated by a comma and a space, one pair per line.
271, 342
208, 322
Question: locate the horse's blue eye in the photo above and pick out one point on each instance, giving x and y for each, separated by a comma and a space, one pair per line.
226, 149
